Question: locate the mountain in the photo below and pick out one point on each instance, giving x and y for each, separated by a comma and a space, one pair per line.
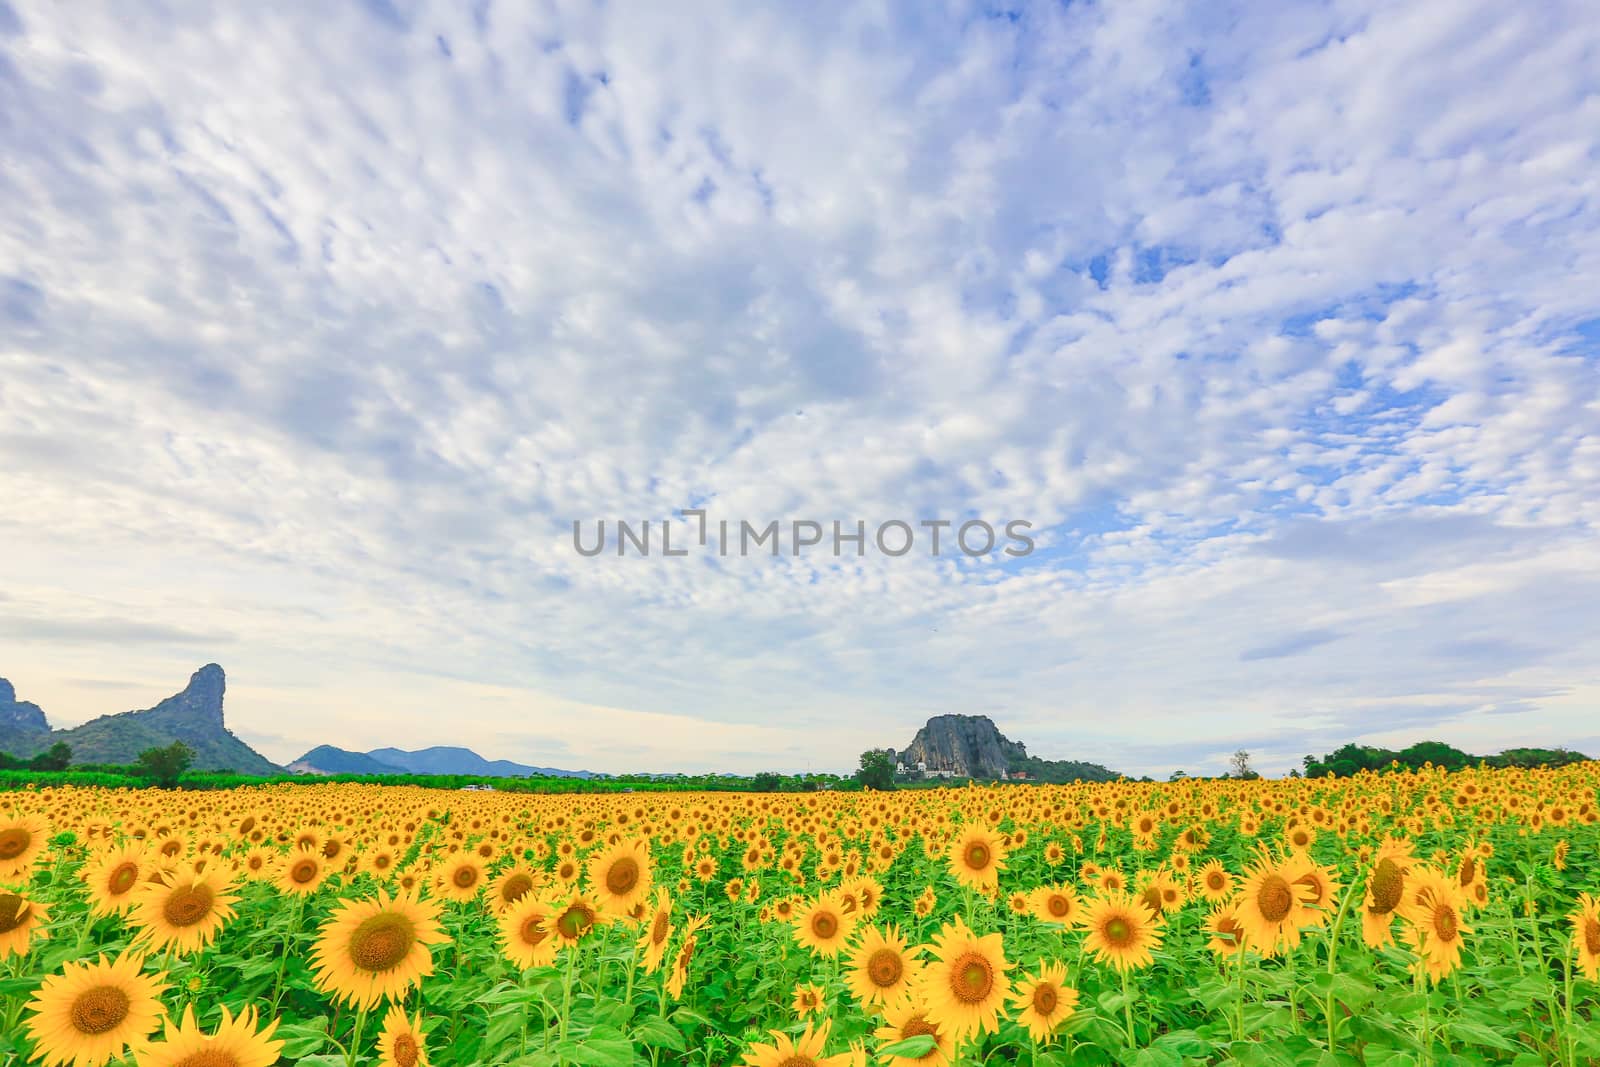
444, 759
326, 759
193, 716
22, 723
971, 746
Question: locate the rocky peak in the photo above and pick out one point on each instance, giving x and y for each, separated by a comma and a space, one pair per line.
965, 745
19, 714
201, 699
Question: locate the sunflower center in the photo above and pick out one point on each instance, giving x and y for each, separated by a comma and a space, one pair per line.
797, 1060
1230, 931
824, 924
574, 922
658, 930
1444, 923
1275, 899
405, 1050
465, 877
381, 942
972, 978
1045, 998
124, 878
208, 1057
188, 905
533, 930
303, 872
1118, 933
622, 877
1215, 881
515, 886
1469, 870
1152, 899
14, 842
1591, 936
884, 968
977, 855
1057, 905
13, 909
1388, 884
99, 1010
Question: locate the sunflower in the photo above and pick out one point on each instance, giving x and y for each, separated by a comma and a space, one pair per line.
184, 911
1122, 930
401, 1043
823, 926
1055, 904
680, 963
1046, 1001
22, 840
1227, 935
372, 950
513, 883
1435, 914
619, 876
965, 986
573, 917
302, 871
653, 939
525, 936
976, 858
1386, 890
1585, 919
112, 878
803, 1051
909, 1019
237, 1042
1272, 905
460, 878
20, 919
808, 1000
90, 1013
881, 971
1214, 882
1319, 886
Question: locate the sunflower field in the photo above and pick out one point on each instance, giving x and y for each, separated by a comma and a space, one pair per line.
1401, 918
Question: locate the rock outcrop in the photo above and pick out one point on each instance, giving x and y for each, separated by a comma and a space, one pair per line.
22, 723
19, 714
193, 716
966, 746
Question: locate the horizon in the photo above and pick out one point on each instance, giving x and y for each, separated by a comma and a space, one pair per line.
534, 760
326, 332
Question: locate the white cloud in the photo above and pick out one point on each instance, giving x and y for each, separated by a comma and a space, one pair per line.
321, 328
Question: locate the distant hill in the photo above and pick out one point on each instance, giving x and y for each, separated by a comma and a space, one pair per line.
193, 716
972, 746
326, 759
442, 759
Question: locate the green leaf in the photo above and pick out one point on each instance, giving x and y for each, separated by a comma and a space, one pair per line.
1478, 1034
599, 1049
655, 1032
910, 1047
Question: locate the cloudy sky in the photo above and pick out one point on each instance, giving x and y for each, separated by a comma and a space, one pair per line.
320, 324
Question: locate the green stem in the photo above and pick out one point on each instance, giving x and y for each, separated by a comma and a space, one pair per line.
1333, 969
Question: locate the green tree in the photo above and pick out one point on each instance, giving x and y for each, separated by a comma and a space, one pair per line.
765, 782
58, 757
877, 769
164, 766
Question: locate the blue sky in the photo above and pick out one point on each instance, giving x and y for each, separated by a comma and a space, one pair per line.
320, 324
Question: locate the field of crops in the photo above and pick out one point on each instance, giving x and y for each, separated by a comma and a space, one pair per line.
1392, 919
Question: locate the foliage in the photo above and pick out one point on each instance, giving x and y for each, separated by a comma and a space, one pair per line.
877, 769
165, 765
